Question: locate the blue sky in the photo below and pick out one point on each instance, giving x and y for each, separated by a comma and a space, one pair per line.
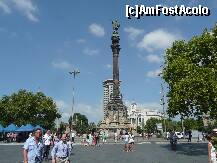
40, 41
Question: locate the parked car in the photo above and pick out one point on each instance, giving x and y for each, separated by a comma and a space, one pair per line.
179, 135
167, 135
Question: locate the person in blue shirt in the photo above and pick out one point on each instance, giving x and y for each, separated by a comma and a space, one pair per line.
33, 148
60, 152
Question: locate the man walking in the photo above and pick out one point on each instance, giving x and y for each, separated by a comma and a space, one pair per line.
60, 152
73, 137
47, 138
33, 148
189, 136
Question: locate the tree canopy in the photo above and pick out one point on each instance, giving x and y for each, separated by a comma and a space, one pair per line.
81, 123
27, 107
190, 70
151, 125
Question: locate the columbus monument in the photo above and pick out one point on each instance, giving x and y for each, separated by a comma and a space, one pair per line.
115, 116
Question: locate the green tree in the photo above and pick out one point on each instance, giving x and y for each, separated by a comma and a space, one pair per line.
139, 129
81, 123
172, 125
190, 124
92, 126
62, 128
151, 125
98, 124
190, 71
200, 125
26, 107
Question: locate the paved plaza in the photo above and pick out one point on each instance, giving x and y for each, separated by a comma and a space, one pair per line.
146, 152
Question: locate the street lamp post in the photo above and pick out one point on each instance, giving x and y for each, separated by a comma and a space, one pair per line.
163, 104
74, 73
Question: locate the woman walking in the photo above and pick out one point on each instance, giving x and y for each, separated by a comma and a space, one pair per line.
211, 150
131, 142
126, 142
90, 139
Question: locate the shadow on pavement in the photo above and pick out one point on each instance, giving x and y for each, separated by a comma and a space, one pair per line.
190, 149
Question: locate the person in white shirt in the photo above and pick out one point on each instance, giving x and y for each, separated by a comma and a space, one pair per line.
126, 142
73, 137
211, 150
131, 142
69, 143
56, 138
47, 140
116, 137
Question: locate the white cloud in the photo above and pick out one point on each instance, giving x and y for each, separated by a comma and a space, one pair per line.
154, 58
133, 33
94, 113
65, 116
26, 7
62, 65
145, 105
109, 66
90, 52
97, 30
64, 109
81, 41
4, 7
61, 104
141, 57
157, 40
154, 73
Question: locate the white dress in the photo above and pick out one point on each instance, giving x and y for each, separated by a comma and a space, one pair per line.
213, 154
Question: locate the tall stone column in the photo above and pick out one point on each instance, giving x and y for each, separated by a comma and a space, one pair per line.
116, 116
115, 50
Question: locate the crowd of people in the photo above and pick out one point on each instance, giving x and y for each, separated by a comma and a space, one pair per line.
128, 142
91, 139
37, 147
94, 138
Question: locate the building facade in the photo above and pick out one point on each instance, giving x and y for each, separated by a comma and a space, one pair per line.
138, 116
107, 91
